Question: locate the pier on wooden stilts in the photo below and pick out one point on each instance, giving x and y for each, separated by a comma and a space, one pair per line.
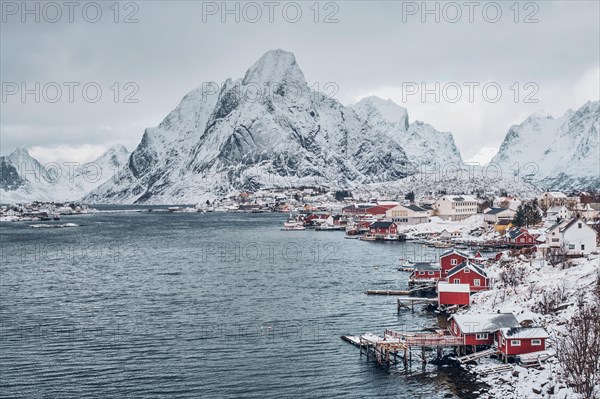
403, 303
399, 292
403, 345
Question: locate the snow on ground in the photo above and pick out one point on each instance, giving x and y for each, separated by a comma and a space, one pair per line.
539, 277
437, 225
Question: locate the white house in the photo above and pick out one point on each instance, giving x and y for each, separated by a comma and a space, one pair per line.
494, 215
574, 235
455, 207
407, 214
451, 234
507, 202
557, 213
551, 198
578, 237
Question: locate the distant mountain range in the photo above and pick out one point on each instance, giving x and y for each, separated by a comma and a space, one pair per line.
23, 178
219, 142
560, 154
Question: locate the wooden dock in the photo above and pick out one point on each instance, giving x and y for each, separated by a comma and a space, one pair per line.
403, 303
477, 355
487, 370
387, 292
395, 345
398, 292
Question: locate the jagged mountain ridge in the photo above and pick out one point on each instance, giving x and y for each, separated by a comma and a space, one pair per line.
211, 145
559, 154
424, 145
23, 178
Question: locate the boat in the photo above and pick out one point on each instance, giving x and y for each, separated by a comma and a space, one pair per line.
368, 237
56, 216
297, 227
327, 227
406, 265
391, 237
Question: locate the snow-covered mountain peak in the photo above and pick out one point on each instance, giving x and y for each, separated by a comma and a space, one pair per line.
275, 66
562, 153
540, 114
375, 109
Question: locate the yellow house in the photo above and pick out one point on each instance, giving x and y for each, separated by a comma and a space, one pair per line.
502, 225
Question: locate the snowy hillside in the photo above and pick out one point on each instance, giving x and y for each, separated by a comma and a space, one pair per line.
23, 178
215, 144
560, 153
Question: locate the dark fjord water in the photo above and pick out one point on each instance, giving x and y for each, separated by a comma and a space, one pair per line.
153, 305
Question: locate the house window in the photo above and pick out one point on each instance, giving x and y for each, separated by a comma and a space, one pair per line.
467, 271
456, 281
453, 261
571, 246
515, 342
477, 282
421, 273
481, 337
555, 240
579, 225
582, 247
536, 342
430, 273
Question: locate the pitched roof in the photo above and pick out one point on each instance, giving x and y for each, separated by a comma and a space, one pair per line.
555, 225
415, 208
425, 266
524, 332
494, 211
469, 265
447, 287
381, 225
482, 323
514, 233
570, 223
455, 251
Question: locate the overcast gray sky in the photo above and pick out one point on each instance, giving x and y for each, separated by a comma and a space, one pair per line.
549, 50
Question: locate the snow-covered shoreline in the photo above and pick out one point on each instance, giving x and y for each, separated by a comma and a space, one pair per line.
524, 300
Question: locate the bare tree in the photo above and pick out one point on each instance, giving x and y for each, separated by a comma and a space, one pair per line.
556, 256
579, 349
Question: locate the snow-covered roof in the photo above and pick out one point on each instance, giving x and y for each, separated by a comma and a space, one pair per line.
447, 287
482, 323
467, 265
495, 211
524, 332
460, 198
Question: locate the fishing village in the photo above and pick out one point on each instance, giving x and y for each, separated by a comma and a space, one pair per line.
500, 276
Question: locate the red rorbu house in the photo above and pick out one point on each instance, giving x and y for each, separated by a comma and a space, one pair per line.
383, 228
521, 340
426, 271
480, 329
363, 226
316, 218
453, 294
451, 259
469, 273
520, 237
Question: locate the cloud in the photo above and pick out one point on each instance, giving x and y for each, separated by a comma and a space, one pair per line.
483, 156
588, 86
64, 152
